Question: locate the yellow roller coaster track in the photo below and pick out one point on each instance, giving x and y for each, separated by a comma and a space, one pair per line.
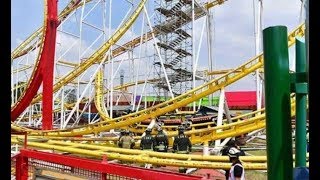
197, 135
175, 103
99, 98
197, 161
171, 130
138, 156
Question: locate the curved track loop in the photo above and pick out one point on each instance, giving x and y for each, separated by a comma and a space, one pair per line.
36, 76
22, 50
99, 98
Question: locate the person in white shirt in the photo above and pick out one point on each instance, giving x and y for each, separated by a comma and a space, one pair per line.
236, 171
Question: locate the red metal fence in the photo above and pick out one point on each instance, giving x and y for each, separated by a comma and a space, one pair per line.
29, 163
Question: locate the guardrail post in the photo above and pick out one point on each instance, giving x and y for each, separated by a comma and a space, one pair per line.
301, 105
21, 167
277, 92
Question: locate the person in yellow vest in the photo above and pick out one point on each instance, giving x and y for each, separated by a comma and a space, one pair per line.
126, 141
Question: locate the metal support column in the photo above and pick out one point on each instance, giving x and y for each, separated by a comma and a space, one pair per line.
277, 89
206, 148
220, 113
48, 67
301, 104
21, 168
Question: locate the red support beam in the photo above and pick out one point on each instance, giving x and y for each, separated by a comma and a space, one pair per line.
102, 167
21, 167
48, 66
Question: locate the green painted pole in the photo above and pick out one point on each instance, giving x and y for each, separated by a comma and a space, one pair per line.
301, 104
277, 92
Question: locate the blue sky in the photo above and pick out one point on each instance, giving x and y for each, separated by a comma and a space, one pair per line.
233, 22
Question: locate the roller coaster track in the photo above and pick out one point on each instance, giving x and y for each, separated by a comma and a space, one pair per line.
141, 158
99, 98
138, 156
36, 77
22, 50
175, 103
197, 161
30, 93
179, 101
197, 136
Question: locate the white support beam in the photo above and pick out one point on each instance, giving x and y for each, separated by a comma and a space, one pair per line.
193, 54
257, 12
150, 126
220, 113
217, 149
226, 110
210, 38
206, 149
138, 69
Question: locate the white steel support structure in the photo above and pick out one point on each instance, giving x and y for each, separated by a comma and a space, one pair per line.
205, 151
62, 114
210, 39
112, 63
226, 110
138, 69
85, 89
83, 23
220, 113
193, 53
257, 12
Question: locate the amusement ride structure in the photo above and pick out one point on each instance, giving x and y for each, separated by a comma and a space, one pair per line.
99, 78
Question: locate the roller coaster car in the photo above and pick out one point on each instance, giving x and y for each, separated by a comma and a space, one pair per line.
199, 118
175, 121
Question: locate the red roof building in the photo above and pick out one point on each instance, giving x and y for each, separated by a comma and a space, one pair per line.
241, 100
